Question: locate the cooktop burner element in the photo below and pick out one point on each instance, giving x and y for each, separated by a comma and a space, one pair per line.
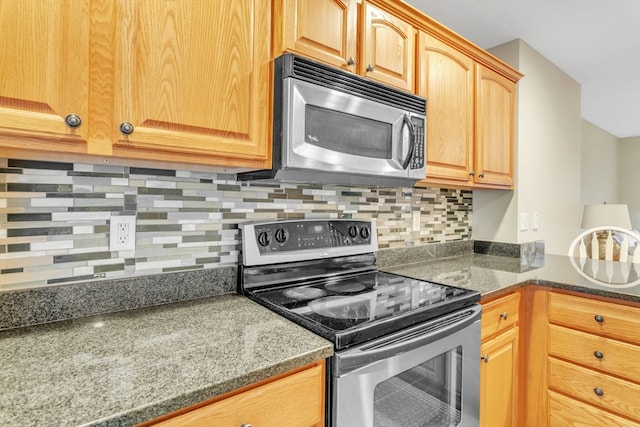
325, 278
345, 287
342, 307
303, 293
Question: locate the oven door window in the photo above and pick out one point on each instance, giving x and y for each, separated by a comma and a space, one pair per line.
429, 394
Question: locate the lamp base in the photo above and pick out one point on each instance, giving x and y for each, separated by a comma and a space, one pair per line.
601, 237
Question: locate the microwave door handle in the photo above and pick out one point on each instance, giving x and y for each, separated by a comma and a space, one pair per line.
412, 141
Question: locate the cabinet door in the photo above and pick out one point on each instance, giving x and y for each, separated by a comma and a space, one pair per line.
495, 100
321, 29
44, 73
387, 48
498, 380
446, 79
193, 78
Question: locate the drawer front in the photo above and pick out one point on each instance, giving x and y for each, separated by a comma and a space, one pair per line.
564, 411
597, 317
596, 352
299, 399
595, 388
500, 315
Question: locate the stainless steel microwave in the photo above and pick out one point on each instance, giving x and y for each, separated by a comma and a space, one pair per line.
335, 127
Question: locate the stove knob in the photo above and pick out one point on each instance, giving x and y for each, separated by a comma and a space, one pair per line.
264, 239
281, 235
353, 231
365, 233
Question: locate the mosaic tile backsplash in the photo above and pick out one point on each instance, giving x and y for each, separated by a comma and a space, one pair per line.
56, 216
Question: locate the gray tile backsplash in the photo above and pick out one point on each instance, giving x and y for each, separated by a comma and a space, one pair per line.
55, 218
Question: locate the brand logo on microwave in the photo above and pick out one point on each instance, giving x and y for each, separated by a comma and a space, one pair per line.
312, 138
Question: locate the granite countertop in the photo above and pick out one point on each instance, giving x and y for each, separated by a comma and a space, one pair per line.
127, 367
495, 275
124, 368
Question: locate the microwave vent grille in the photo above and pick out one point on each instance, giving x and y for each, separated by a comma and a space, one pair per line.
350, 83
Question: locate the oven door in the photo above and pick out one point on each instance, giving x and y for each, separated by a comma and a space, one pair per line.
426, 375
329, 130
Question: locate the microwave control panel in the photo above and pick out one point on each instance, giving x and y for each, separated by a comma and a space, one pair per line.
417, 160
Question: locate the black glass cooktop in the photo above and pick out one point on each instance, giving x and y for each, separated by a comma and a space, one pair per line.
352, 309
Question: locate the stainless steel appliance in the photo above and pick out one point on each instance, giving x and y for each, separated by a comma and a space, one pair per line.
331, 126
406, 350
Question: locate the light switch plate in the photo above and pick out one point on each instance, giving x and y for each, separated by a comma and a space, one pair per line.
524, 221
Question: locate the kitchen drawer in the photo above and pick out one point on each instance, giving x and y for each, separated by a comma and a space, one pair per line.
618, 358
500, 314
617, 396
613, 320
296, 399
564, 411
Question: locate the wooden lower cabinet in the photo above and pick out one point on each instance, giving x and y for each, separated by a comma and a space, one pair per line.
593, 363
595, 388
499, 362
564, 411
499, 380
295, 399
564, 360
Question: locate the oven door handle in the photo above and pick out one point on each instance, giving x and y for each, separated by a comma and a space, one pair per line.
406, 340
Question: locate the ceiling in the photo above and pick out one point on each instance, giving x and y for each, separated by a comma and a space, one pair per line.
596, 42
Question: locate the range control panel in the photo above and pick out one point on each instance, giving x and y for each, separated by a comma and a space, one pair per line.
311, 234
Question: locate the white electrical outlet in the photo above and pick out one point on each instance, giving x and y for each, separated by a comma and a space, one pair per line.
122, 233
524, 221
536, 221
416, 221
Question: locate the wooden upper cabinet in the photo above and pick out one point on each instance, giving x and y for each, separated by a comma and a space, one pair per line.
325, 30
495, 106
446, 79
387, 48
193, 79
44, 73
470, 116
361, 38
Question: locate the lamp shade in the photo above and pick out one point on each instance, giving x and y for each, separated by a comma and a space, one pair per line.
606, 215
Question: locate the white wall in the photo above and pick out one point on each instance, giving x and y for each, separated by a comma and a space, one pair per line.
628, 176
599, 177
548, 147
610, 169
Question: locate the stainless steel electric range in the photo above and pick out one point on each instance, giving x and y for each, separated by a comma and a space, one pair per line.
406, 350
